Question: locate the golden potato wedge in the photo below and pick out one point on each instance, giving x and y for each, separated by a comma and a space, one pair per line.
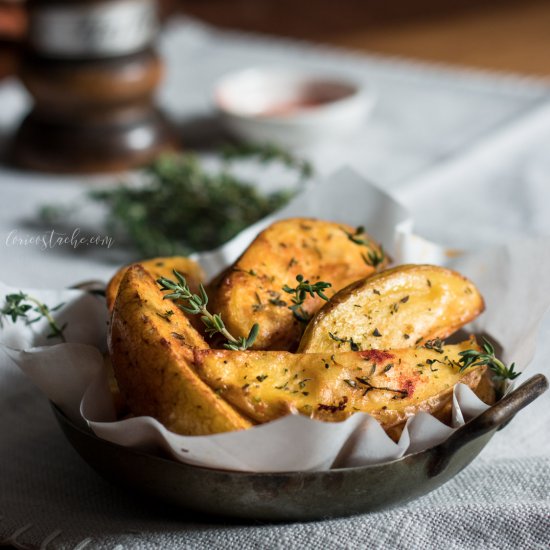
159, 267
390, 385
396, 308
150, 350
251, 291
486, 389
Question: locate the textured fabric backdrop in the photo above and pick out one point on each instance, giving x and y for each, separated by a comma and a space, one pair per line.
467, 152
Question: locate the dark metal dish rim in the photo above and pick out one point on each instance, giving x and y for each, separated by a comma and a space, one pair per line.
493, 418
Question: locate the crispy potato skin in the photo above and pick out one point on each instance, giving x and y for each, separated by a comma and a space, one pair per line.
486, 390
396, 308
152, 360
268, 385
159, 267
251, 290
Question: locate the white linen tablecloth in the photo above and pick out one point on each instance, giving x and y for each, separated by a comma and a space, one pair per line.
467, 152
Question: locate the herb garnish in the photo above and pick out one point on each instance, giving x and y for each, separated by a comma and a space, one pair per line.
430, 363
266, 153
473, 358
196, 305
166, 316
435, 345
180, 207
375, 255
303, 288
258, 306
370, 387
334, 408
353, 345
17, 305
276, 299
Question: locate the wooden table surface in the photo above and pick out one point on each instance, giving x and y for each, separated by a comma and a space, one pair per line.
499, 35
503, 35
508, 38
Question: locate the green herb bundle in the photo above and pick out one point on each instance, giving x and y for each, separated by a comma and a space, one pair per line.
183, 208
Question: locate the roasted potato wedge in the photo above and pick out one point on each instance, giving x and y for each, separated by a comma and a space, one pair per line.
159, 267
390, 385
251, 291
150, 344
396, 308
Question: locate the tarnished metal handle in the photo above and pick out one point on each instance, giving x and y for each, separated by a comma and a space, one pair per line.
496, 416
93, 286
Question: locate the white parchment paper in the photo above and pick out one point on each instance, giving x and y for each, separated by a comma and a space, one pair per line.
511, 277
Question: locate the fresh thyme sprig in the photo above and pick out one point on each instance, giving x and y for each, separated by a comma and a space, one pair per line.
179, 206
370, 387
265, 153
182, 207
473, 358
303, 288
356, 236
196, 305
374, 255
19, 304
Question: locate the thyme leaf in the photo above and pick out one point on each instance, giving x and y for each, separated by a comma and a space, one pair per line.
473, 358
265, 153
18, 305
195, 304
370, 387
374, 255
353, 345
299, 295
179, 206
435, 345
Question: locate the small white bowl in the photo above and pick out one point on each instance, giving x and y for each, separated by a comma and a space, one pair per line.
289, 107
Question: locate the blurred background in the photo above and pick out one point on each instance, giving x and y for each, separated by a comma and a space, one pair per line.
101, 92
506, 35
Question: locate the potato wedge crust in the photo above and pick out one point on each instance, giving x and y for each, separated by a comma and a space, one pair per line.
159, 267
251, 291
390, 385
396, 308
150, 350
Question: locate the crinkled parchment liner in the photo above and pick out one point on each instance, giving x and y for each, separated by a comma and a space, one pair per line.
73, 376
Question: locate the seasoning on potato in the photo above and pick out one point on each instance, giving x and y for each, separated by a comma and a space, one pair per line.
398, 308
159, 267
252, 289
391, 385
371, 339
151, 345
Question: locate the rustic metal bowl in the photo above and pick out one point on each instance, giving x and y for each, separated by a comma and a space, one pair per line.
298, 496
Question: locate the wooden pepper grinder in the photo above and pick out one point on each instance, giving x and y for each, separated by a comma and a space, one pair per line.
92, 71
